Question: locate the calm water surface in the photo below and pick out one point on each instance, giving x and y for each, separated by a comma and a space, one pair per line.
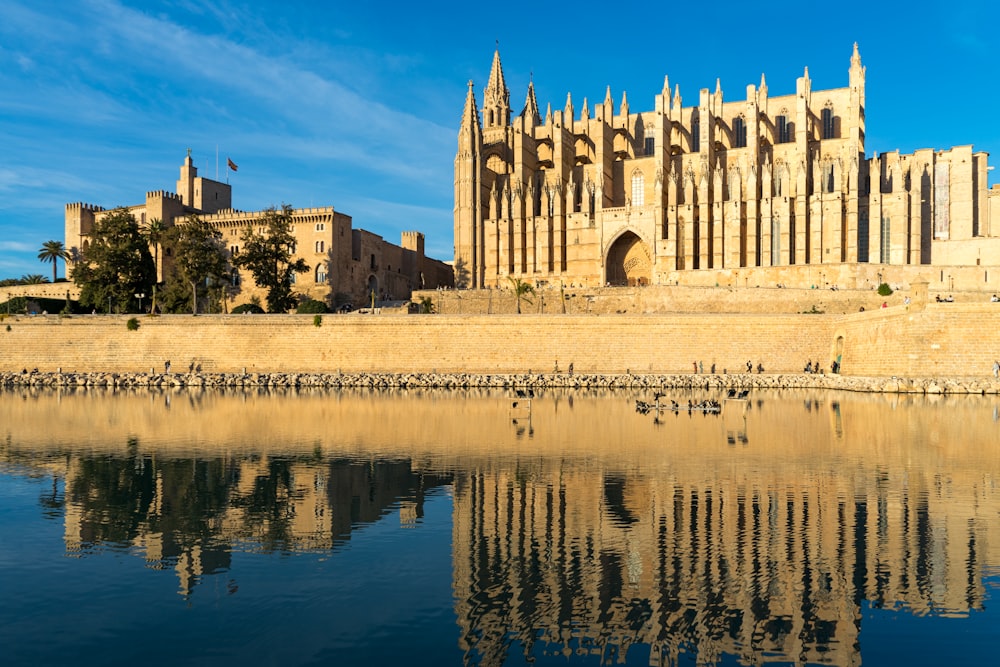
450, 528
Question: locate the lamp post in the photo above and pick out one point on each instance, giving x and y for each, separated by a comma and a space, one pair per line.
140, 296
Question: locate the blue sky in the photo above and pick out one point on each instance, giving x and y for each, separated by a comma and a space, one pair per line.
357, 105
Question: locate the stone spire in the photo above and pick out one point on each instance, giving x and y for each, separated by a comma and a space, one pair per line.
530, 112
470, 114
496, 100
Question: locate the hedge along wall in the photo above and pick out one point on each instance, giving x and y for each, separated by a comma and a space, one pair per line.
942, 340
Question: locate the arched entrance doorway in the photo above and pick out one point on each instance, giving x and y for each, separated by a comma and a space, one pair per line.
629, 261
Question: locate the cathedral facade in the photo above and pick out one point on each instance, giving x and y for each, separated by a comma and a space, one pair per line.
347, 265
610, 196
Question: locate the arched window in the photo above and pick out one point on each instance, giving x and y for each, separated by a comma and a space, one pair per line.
739, 133
827, 117
320, 274
781, 122
695, 135
234, 278
638, 188
320, 246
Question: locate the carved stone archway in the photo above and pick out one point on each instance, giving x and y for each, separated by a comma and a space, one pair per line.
629, 261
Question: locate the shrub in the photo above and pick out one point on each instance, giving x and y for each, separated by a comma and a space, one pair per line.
884, 289
247, 308
317, 320
309, 306
132, 324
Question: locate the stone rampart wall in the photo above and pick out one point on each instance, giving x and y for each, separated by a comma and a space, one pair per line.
942, 340
682, 299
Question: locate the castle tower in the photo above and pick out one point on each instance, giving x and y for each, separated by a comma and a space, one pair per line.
185, 184
202, 194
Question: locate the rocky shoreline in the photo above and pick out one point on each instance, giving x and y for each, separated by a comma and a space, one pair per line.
640, 381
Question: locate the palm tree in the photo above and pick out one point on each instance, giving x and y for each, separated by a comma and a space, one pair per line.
154, 231
53, 251
33, 279
521, 290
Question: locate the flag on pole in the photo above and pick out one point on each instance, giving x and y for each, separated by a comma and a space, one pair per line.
232, 165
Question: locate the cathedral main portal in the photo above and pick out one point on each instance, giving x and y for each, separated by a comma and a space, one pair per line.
629, 261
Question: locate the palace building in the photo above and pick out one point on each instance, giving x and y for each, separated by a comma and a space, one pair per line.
604, 195
347, 264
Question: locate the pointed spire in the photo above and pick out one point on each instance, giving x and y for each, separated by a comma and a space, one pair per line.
718, 86
496, 100
666, 87
806, 74
676, 103
568, 112
470, 114
856, 56
585, 114
548, 113
530, 111
607, 96
496, 85
624, 107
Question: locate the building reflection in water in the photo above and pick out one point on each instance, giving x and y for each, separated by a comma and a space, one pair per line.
189, 514
760, 533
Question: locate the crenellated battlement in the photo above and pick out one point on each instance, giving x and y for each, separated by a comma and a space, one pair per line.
81, 206
163, 194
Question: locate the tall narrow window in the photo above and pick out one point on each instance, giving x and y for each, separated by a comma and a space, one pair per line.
638, 189
783, 134
827, 116
739, 133
883, 254
695, 135
650, 145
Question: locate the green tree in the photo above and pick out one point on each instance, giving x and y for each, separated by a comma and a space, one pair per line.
521, 291
426, 305
199, 255
53, 251
154, 232
116, 265
33, 279
268, 257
